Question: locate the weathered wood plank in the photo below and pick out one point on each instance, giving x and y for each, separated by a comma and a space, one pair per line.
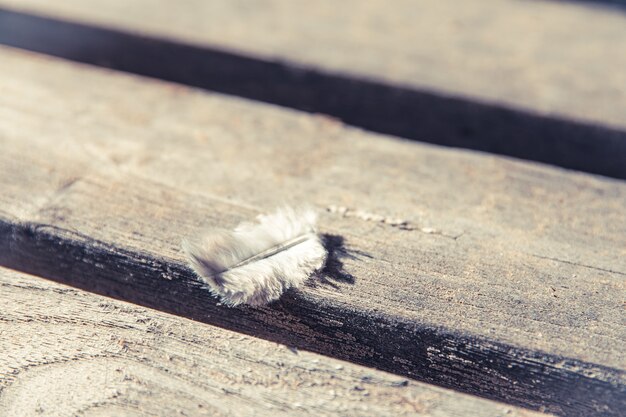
506, 281
504, 51
507, 77
67, 352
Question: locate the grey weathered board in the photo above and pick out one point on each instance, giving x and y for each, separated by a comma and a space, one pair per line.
498, 50
505, 76
506, 280
65, 352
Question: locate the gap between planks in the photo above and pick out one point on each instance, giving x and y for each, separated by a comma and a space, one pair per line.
556, 105
67, 352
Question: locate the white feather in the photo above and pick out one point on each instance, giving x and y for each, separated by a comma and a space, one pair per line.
257, 262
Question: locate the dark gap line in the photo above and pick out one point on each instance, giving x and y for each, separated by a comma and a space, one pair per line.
613, 5
485, 368
400, 111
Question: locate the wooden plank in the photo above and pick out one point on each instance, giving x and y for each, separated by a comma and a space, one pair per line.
506, 280
507, 77
68, 352
502, 51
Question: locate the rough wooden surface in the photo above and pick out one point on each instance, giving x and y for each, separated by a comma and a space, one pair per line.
503, 76
65, 352
505, 280
498, 50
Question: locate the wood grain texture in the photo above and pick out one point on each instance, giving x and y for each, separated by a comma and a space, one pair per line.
502, 76
504, 279
67, 352
497, 50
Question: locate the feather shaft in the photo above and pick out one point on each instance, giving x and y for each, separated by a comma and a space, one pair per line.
273, 250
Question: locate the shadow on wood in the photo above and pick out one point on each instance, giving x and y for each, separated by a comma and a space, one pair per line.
418, 115
619, 5
465, 363
334, 271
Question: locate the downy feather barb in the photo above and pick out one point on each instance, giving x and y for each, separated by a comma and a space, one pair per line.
257, 262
